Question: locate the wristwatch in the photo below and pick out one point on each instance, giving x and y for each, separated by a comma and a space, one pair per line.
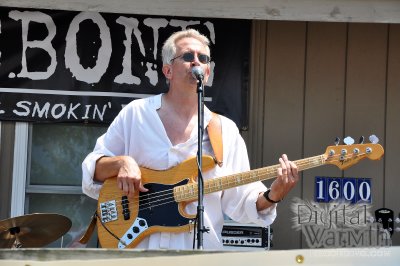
266, 196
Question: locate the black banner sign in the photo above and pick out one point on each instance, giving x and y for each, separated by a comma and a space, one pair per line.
64, 66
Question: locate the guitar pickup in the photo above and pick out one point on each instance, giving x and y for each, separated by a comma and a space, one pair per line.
108, 211
125, 208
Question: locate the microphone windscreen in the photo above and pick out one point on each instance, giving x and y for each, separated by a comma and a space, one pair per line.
197, 72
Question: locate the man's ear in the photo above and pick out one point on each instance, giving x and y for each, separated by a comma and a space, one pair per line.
207, 73
167, 70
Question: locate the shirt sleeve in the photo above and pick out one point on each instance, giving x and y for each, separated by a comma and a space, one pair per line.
240, 203
109, 144
89, 186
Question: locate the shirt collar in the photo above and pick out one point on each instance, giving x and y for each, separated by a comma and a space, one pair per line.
156, 104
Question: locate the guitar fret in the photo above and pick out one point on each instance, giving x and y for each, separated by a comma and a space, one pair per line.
219, 183
253, 175
177, 193
310, 162
238, 179
192, 190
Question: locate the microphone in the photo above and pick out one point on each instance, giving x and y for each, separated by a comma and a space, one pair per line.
197, 73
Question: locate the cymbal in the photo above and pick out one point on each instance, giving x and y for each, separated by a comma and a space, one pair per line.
33, 230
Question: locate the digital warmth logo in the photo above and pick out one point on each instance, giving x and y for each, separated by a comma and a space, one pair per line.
338, 224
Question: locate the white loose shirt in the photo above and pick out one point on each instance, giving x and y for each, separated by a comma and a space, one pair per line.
137, 131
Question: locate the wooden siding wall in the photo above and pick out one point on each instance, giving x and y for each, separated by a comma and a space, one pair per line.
314, 81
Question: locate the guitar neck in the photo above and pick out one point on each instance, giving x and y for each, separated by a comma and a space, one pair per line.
189, 192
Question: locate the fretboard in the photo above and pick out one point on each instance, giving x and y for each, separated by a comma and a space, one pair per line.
190, 191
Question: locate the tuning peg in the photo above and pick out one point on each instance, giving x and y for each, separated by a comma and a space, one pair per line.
373, 139
337, 141
361, 141
348, 140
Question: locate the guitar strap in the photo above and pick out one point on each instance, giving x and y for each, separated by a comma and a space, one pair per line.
214, 130
89, 230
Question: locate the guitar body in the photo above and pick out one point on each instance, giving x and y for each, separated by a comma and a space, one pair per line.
132, 219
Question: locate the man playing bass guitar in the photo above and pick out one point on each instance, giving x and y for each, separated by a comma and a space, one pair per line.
160, 132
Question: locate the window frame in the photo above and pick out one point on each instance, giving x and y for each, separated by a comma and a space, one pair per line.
21, 173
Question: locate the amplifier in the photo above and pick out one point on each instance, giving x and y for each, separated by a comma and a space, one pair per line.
246, 235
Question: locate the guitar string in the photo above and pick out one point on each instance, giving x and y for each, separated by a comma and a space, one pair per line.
168, 193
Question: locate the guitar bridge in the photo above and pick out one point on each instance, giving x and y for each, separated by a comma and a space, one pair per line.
108, 211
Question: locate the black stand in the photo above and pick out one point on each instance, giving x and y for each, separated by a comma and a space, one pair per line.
15, 231
200, 207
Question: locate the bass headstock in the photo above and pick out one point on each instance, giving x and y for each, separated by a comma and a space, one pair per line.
345, 156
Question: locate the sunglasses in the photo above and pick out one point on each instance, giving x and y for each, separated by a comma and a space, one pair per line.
189, 57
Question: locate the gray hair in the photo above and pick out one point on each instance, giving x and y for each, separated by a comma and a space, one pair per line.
169, 47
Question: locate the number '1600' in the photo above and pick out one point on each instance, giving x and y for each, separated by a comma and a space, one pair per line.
338, 189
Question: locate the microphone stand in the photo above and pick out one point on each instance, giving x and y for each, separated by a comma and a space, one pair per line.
200, 207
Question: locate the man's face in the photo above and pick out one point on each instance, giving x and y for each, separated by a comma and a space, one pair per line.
181, 70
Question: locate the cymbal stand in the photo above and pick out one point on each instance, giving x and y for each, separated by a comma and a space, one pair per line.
15, 231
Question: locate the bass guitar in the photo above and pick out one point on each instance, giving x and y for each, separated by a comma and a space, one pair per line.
123, 222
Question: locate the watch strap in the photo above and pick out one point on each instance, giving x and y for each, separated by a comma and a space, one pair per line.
266, 196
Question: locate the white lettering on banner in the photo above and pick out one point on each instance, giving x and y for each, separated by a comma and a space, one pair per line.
89, 75
155, 23
43, 111
151, 68
131, 25
26, 17
94, 74
75, 111
182, 23
210, 28
71, 110
86, 116
21, 104
59, 110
